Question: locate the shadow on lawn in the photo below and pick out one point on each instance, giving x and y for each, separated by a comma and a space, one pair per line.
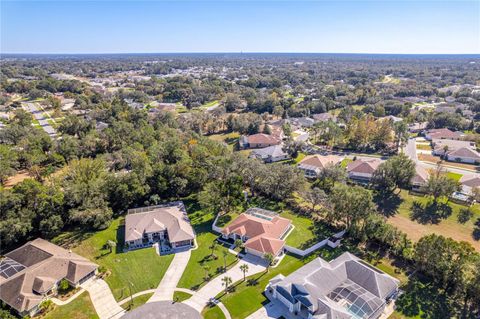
387, 204
430, 213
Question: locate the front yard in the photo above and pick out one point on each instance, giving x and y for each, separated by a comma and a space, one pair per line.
80, 308
125, 268
194, 274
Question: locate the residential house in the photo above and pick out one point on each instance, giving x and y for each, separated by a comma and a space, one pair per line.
313, 165
469, 183
259, 140
420, 178
270, 154
344, 288
417, 127
166, 225
362, 169
31, 273
464, 155
442, 145
442, 133
262, 231
324, 117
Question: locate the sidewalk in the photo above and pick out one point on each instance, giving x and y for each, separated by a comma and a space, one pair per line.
102, 299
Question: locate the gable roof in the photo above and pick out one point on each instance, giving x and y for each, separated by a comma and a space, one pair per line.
44, 264
363, 165
442, 133
262, 138
470, 180
319, 161
421, 175
464, 152
270, 151
172, 218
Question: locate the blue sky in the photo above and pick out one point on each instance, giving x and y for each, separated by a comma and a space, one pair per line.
232, 26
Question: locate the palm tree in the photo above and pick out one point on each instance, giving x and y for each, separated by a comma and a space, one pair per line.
269, 258
110, 245
206, 268
226, 281
225, 254
244, 269
213, 247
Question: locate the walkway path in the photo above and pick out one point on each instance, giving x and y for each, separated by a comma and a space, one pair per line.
70, 299
102, 299
200, 299
171, 278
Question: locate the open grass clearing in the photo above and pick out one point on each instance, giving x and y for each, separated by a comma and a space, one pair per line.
213, 313
179, 296
80, 308
230, 139
125, 267
137, 302
449, 227
194, 275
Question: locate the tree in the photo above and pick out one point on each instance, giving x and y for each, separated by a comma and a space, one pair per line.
439, 185
292, 147
63, 286
314, 196
238, 243
207, 269
22, 118
232, 102
8, 162
213, 248
244, 269
397, 171
351, 205
226, 281
331, 175
400, 129
46, 306
269, 259
225, 255
110, 244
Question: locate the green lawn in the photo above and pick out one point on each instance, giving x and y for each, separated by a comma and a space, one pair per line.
180, 296
447, 226
299, 158
424, 147
193, 276
126, 267
209, 104
454, 176
137, 302
213, 313
229, 138
80, 308
345, 162
180, 108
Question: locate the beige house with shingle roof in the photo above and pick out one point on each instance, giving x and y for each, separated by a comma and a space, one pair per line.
32, 272
167, 225
363, 169
313, 165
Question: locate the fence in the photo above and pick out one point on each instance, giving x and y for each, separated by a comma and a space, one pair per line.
317, 246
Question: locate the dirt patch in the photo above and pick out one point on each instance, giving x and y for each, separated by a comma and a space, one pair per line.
415, 231
18, 178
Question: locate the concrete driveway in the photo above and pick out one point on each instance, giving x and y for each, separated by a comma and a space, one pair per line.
200, 299
269, 311
171, 278
102, 299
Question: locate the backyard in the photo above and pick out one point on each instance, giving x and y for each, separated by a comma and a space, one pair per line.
125, 268
80, 308
401, 216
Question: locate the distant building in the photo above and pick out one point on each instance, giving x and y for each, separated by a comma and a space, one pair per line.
324, 117
344, 288
313, 165
440, 145
469, 182
442, 133
262, 231
259, 140
362, 169
270, 154
420, 178
417, 127
30, 274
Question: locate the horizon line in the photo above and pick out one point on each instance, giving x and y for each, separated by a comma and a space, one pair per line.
228, 52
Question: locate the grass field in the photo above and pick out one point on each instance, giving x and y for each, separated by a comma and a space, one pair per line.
345, 162
80, 308
126, 267
448, 226
179, 296
454, 176
229, 138
213, 313
193, 276
137, 302
424, 147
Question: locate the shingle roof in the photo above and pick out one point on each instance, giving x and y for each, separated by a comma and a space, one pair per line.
261, 138
270, 151
319, 161
470, 180
366, 166
443, 133
44, 265
421, 175
465, 152
159, 218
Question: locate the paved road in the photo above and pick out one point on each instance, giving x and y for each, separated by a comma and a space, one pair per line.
411, 150
102, 299
171, 278
39, 116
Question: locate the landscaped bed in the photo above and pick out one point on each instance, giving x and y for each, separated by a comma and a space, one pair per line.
80, 308
125, 268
